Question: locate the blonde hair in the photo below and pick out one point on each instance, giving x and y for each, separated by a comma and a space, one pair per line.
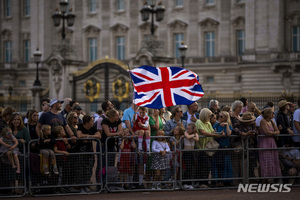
205, 114
193, 126
44, 129
181, 130
5, 130
267, 112
226, 114
164, 139
70, 117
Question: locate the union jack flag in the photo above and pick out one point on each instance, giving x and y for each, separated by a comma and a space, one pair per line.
166, 86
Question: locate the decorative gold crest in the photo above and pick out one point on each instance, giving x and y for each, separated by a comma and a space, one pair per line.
92, 89
120, 89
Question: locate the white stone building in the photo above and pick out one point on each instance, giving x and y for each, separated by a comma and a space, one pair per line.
235, 46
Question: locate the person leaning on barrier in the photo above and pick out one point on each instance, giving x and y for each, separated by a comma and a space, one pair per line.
249, 132
112, 126
236, 142
268, 159
86, 131
291, 160
223, 167
282, 120
204, 128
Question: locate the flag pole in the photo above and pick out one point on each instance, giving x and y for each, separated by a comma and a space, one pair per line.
133, 96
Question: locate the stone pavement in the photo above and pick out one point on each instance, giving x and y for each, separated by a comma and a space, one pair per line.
230, 194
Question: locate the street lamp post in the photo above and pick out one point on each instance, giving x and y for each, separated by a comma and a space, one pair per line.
37, 58
150, 9
182, 49
64, 15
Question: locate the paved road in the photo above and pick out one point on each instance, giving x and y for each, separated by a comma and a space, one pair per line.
229, 194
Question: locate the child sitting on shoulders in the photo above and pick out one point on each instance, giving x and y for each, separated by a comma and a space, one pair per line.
141, 128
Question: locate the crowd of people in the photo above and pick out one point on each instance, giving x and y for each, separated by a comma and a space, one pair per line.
151, 145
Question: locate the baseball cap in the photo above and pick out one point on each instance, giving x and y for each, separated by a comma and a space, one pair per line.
54, 101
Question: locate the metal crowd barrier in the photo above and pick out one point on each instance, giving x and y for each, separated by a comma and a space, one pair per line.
132, 170
86, 171
277, 168
13, 184
79, 172
211, 168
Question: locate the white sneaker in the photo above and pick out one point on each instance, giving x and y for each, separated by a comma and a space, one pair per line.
177, 187
153, 186
191, 187
185, 186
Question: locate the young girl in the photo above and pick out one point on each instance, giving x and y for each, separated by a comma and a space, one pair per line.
141, 128
190, 137
9, 148
47, 142
126, 164
62, 147
177, 142
160, 160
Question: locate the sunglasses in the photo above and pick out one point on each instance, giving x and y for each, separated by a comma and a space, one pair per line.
75, 117
16, 113
221, 116
8, 133
179, 111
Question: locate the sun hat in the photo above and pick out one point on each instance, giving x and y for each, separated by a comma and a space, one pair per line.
247, 117
282, 103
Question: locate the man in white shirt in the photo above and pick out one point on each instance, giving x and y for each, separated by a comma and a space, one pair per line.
191, 115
